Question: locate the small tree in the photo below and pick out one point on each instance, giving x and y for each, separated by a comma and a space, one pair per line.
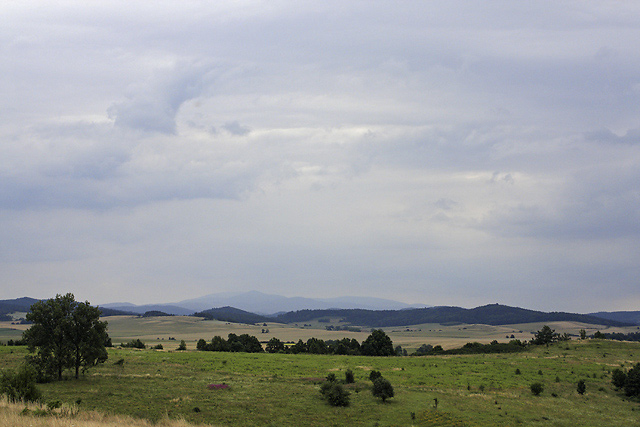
348, 377
374, 375
546, 335
383, 389
581, 387
201, 345
182, 346
537, 389
583, 334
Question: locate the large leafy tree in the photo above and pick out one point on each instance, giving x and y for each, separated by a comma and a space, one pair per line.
377, 344
65, 334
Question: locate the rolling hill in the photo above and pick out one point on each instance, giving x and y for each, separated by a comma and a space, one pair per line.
620, 316
493, 314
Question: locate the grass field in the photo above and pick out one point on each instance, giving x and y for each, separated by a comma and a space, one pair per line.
279, 389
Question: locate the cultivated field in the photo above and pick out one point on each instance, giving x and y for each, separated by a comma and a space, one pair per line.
280, 389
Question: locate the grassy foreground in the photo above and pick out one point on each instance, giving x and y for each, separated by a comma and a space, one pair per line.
279, 389
36, 415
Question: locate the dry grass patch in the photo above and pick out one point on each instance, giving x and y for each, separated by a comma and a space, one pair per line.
35, 415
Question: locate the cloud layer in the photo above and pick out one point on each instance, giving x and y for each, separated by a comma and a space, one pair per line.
447, 153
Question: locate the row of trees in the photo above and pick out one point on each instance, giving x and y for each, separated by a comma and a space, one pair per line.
377, 344
244, 343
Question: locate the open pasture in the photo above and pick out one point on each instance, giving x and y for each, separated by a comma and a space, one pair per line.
280, 389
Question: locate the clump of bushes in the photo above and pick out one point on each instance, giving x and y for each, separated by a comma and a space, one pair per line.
134, 344
20, 385
629, 381
334, 392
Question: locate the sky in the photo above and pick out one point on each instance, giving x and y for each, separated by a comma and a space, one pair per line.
445, 153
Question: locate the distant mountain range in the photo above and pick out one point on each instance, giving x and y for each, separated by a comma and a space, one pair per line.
264, 304
250, 307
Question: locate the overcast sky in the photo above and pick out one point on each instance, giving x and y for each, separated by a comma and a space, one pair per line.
447, 153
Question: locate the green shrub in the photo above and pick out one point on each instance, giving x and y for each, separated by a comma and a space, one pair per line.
53, 404
335, 393
581, 387
331, 377
374, 375
618, 378
20, 385
182, 346
383, 389
536, 389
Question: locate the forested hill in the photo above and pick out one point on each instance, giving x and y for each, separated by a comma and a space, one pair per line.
493, 314
19, 304
620, 316
234, 315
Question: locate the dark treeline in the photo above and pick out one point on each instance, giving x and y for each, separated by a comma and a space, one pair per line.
377, 344
493, 314
513, 346
618, 336
155, 313
244, 343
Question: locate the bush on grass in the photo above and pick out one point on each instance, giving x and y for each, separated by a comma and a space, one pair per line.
383, 389
20, 385
335, 393
537, 389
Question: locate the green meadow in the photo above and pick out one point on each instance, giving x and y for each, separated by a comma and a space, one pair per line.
281, 389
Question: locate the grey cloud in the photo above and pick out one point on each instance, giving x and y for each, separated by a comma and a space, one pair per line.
632, 136
236, 128
152, 105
